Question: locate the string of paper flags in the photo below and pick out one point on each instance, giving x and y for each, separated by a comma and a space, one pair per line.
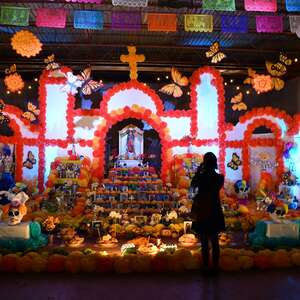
164, 22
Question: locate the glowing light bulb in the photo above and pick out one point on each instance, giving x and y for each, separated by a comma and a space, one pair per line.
225, 83
247, 92
35, 79
19, 92
231, 80
188, 93
7, 92
29, 87
167, 77
158, 78
237, 87
296, 59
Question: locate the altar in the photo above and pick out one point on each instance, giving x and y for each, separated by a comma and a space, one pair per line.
131, 146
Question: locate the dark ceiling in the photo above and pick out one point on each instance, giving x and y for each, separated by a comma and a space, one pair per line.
102, 49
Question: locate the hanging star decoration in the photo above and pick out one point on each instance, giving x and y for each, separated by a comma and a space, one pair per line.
13, 81
132, 59
260, 82
3, 119
277, 70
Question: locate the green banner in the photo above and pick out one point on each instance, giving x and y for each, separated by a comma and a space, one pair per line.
228, 5
18, 16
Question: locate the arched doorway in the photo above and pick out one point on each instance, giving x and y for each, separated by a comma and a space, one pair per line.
151, 143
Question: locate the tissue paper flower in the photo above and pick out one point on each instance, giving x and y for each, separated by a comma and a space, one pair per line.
26, 43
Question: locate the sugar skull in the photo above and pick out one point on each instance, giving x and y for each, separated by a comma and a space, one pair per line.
17, 208
242, 190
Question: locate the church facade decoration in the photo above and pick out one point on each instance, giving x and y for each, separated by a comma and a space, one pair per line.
204, 123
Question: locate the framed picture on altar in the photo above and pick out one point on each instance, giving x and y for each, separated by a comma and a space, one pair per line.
187, 226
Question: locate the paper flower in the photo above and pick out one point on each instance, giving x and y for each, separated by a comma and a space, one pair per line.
26, 43
172, 215
262, 83
114, 215
13, 81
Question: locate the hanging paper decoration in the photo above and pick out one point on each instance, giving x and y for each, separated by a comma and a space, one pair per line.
226, 5
261, 5
234, 24
51, 17
3, 119
126, 20
260, 83
32, 112
199, 23
235, 162
18, 16
174, 88
292, 5
238, 104
162, 22
269, 23
13, 81
26, 43
132, 59
295, 24
89, 85
88, 19
215, 53
263, 161
85, 1
130, 3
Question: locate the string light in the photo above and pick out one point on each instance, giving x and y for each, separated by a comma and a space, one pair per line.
35, 79
7, 92
296, 59
158, 78
237, 87
231, 80
167, 77
225, 83
188, 93
19, 92
29, 87
247, 92
145, 84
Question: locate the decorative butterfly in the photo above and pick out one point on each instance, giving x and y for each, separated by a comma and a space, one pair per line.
279, 69
174, 88
237, 102
32, 112
215, 53
89, 86
51, 64
30, 161
12, 69
235, 162
3, 119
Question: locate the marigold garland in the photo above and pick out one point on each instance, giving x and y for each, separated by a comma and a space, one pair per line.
26, 43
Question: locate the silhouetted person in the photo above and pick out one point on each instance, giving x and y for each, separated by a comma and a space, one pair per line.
207, 214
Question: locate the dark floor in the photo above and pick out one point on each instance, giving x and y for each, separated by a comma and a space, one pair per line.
270, 285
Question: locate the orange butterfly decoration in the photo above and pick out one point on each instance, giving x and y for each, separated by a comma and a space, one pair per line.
30, 161
215, 53
32, 112
237, 102
89, 85
174, 88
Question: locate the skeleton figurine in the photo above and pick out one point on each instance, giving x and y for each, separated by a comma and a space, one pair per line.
17, 208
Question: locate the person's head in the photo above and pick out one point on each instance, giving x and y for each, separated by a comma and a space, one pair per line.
210, 161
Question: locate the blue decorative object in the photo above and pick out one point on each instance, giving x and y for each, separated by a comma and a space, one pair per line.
293, 5
88, 19
86, 104
36, 240
234, 23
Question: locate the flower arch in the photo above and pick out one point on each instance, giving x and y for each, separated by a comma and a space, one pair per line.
118, 115
249, 141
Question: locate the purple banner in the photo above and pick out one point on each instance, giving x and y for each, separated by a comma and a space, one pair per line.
126, 20
234, 24
269, 24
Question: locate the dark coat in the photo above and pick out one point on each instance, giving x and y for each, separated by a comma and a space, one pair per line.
207, 211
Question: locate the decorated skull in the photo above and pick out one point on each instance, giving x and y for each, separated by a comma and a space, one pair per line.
242, 189
17, 208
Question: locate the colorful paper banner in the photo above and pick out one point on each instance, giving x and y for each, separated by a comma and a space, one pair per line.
295, 24
234, 24
18, 16
228, 5
269, 24
130, 3
126, 20
199, 23
261, 5
88, 19
162, 22
292, 5
51, 17
85, 1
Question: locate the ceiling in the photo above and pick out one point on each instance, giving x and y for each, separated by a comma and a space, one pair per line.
102, 49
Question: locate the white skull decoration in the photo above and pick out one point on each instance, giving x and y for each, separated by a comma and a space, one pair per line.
17, 209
